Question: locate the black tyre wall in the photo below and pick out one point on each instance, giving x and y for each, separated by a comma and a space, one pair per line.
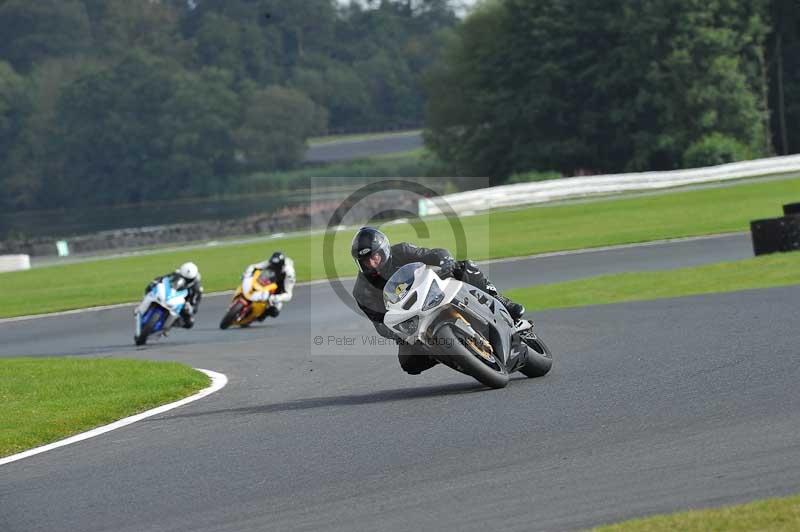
775, 234
791, 209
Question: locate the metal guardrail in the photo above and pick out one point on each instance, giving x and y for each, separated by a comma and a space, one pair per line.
576, 187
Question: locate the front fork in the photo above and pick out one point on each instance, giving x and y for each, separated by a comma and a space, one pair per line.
137, 327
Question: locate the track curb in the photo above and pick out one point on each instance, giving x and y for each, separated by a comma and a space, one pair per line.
218, 381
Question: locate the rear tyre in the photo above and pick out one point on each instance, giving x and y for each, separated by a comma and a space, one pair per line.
455, 353
539, 359
147, 328
231, 315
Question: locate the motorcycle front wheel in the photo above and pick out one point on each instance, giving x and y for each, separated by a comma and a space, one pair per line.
147, 329
231, 315
456, 351
539, 358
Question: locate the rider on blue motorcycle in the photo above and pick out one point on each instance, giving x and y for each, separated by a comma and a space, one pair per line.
187, 276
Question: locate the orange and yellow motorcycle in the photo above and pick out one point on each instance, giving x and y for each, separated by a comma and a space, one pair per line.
245, 306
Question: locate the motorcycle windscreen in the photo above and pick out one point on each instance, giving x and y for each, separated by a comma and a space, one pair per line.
398, 285
266, 278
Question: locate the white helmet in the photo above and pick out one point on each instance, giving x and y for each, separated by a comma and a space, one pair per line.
189, 271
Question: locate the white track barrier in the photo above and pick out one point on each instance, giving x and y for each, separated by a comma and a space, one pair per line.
12, 263
576, 187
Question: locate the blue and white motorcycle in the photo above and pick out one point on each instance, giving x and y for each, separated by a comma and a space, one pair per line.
159, 309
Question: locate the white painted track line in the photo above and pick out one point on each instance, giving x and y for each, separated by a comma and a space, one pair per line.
218, 381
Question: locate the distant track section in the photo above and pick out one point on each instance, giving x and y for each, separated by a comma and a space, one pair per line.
345, 150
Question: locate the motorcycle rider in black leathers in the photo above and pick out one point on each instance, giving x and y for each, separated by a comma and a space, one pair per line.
377, 261
186, 277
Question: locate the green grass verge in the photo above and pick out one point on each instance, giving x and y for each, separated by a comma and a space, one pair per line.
760, 272
782, 514
505, 233
48, 399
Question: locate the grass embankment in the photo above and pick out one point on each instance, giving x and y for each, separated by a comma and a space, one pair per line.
781, 514
48, 399
412, 163
498, 234
760, 272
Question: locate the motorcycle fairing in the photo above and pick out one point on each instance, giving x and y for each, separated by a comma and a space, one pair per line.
407, 292
164, 299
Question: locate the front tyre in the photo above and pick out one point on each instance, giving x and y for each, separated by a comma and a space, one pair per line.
231, 315
454, 353
147, 328
539, 359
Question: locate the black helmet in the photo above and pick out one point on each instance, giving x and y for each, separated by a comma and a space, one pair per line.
278, 259
366, 243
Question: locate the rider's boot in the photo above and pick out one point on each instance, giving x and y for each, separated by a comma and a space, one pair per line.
514, 309
470, 273
274, 309
186, 318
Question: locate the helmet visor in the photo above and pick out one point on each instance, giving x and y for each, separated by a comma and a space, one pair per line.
373, 262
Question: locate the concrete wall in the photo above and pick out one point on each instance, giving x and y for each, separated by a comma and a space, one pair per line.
295, 218
11, 263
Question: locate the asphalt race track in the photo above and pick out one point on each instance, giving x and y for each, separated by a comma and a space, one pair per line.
343, 150
651, 407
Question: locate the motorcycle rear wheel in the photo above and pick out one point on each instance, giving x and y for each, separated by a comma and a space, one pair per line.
230, 316
456, 353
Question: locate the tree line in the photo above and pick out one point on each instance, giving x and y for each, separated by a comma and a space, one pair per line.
616, 86
120, 101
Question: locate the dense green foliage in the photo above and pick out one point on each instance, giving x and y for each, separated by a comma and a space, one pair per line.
783, 50
620, 85
120, 101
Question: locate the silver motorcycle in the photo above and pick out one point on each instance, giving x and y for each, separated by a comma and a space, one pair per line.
462, 327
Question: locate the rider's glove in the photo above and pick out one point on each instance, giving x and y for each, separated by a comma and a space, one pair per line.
447, 267
261, 296
273, 299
